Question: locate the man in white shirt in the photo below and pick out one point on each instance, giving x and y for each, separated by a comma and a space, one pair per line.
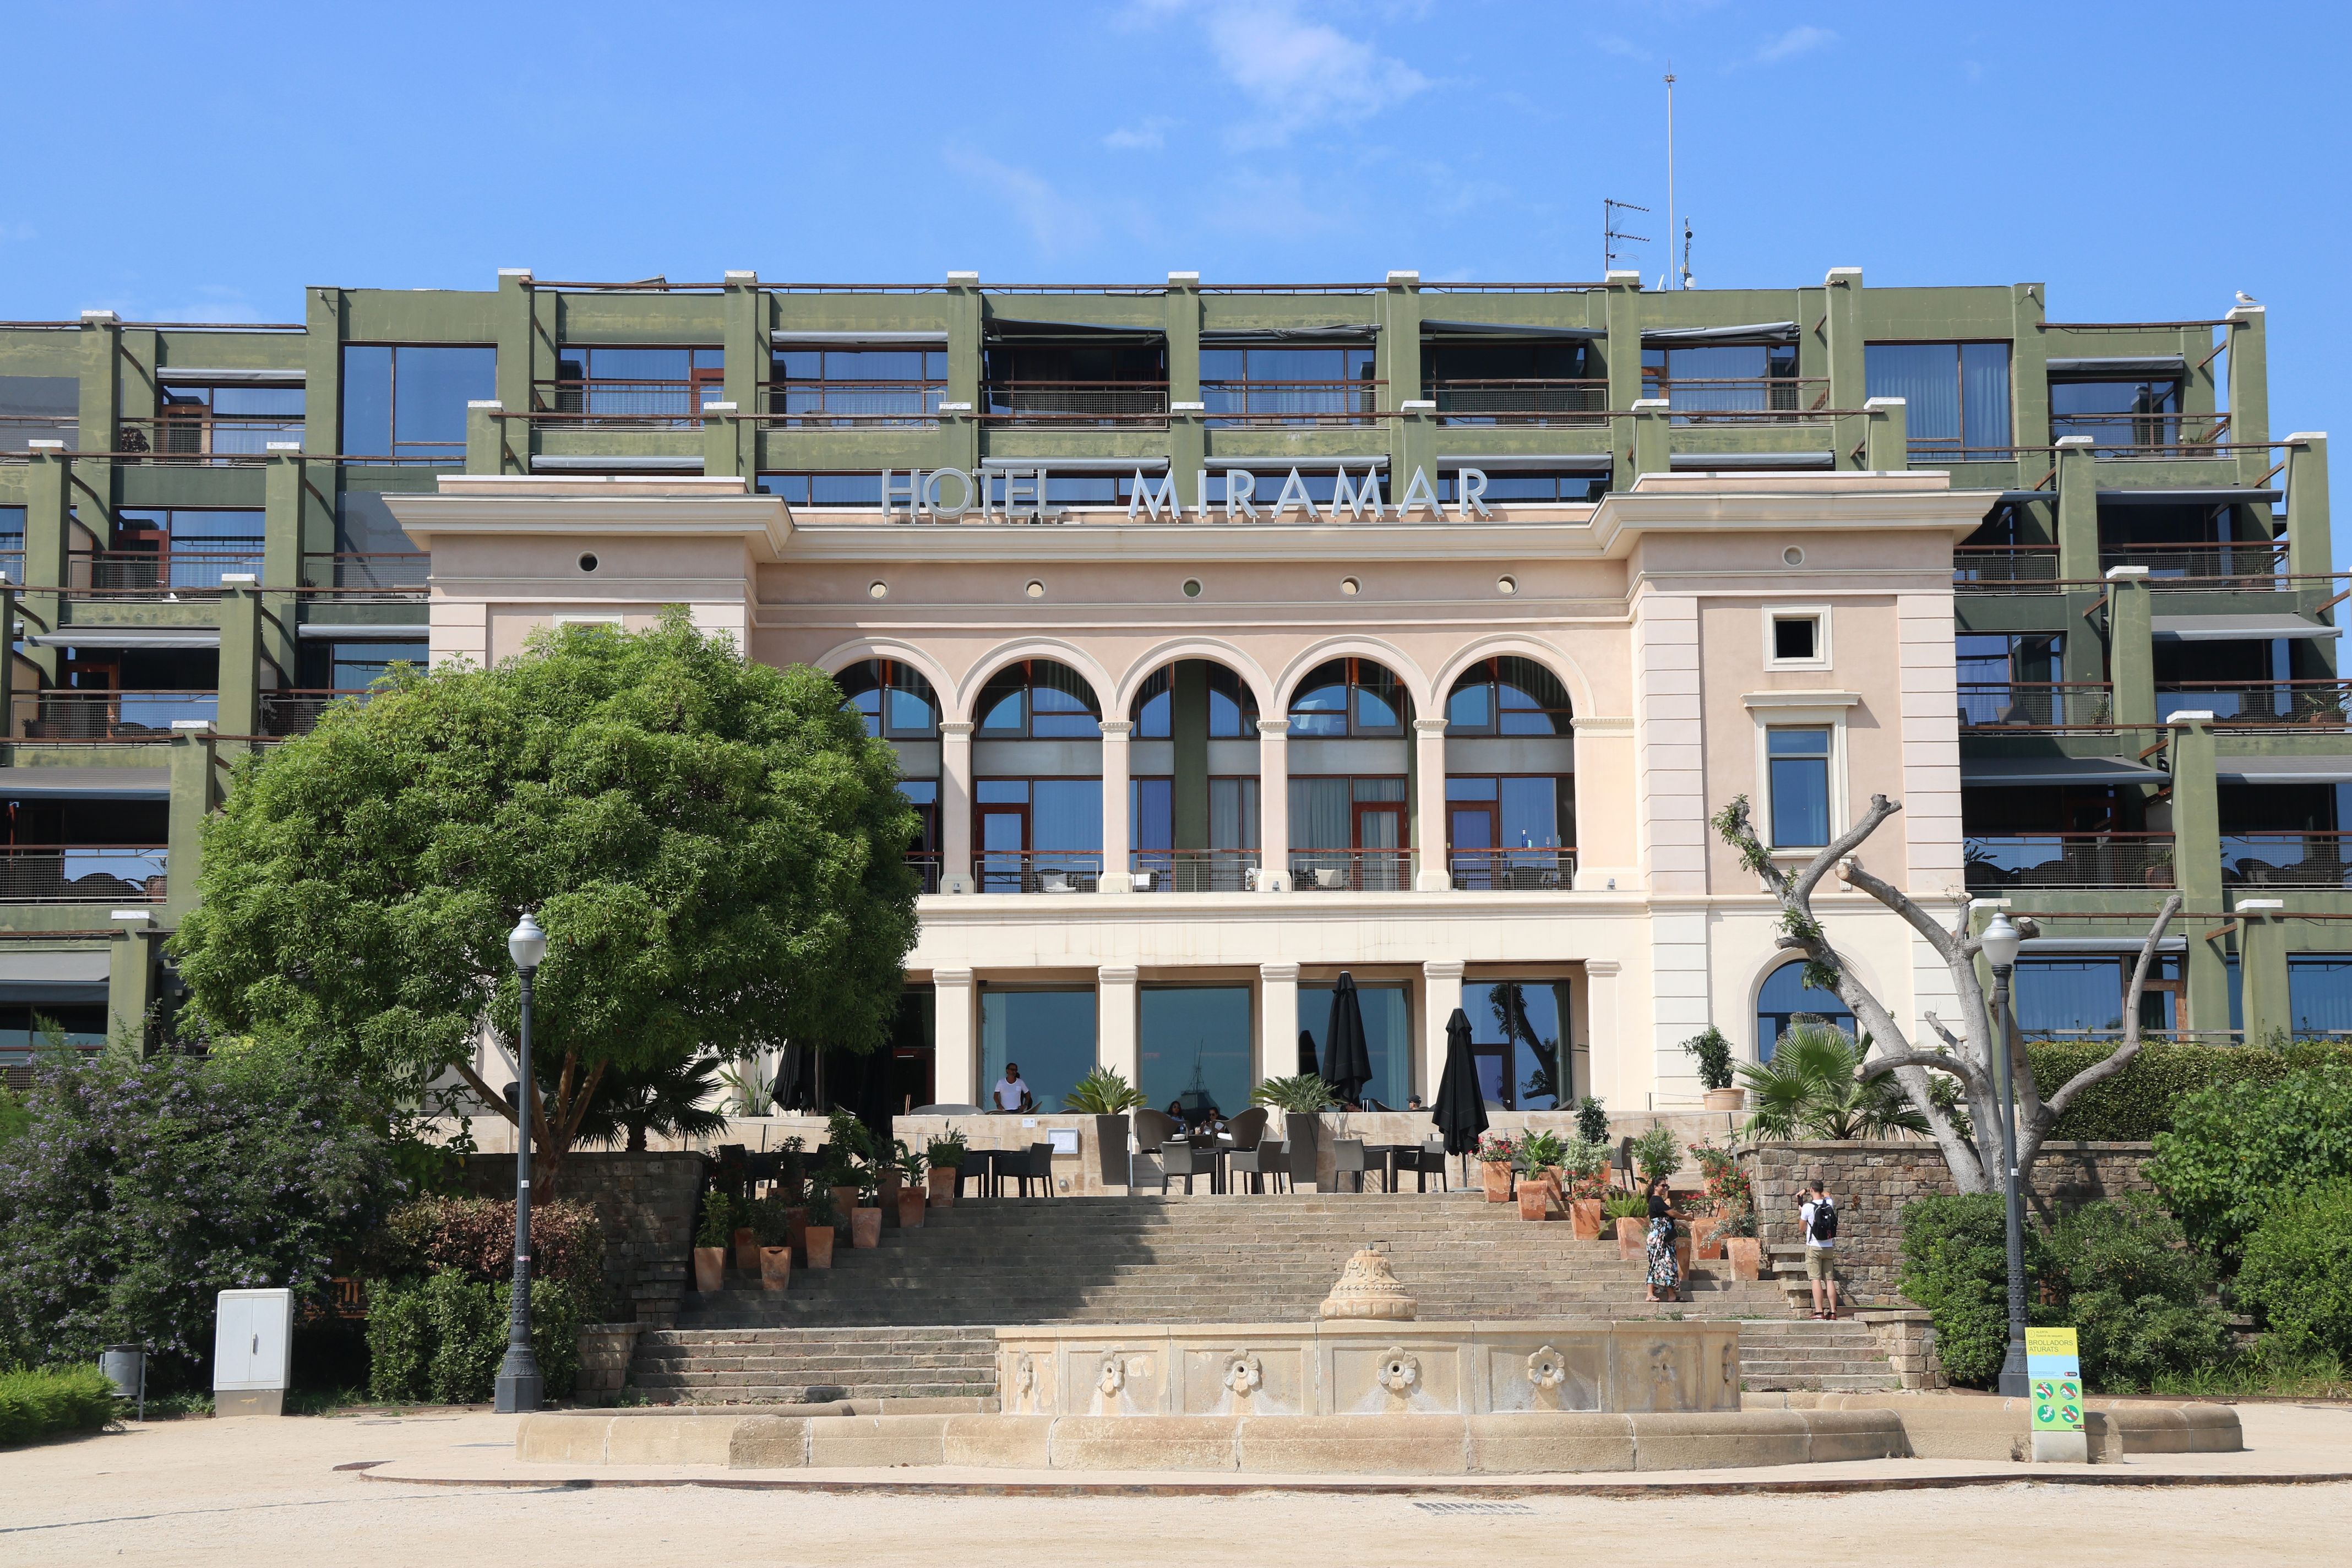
1012, 1093
1816, 1216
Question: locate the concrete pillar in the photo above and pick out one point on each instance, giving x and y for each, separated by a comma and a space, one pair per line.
130, 980
1118, 831
1651, 449
2131, 652
486, 447
195, 790
1849, 377
1184, 325
8, 678
955, 805
102, 381
1623, 318
2197, 863
2078, 510
1602, 991
2250, 388
1441, 992
744, 335
2263, 969
49, 526
953, 1034
722, 441
322, 371
964, 352
518, 365
2307, 539
241, 672
1413, 448
2029, 377
1886, 448
1116, 1046
1274, 805
1429, 815
1188, 450
282, 490
1188, 727
1278, 1021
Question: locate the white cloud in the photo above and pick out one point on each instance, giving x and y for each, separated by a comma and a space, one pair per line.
1147, 135
1298, 73
1055, 223
1790, 44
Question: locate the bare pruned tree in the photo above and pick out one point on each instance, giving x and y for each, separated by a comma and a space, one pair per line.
1974, 1156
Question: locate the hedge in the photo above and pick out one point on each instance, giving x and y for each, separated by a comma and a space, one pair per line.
2238, 1151
2139, 1102
442, 1341
2298, 1271
53, 1401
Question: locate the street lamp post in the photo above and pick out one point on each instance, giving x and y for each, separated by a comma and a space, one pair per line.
519, 1381
2000, 941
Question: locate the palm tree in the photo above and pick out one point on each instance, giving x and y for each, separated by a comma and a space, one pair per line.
668, 1100
1813, 1088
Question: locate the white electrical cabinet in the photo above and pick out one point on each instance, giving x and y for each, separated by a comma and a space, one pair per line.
253, 1351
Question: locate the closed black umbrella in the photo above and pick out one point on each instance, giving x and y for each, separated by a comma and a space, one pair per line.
1347, 1061
1307, 1068
1461, 1109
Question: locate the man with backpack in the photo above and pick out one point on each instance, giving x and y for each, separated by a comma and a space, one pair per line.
1818, 1218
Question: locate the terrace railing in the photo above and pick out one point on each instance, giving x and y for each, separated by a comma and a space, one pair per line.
2254, 564
1997, 568
294, 710
82, 873
71, 715
1306, 400
1740, 395
1077, 401
401, 574
2068, 860
1518, 402
2035, 705
2146, 435
1513, 870
635, 401
99, 572
1194, 871
198, 438
2314, 859
850, 404
1037, 871
1351, 870
2261, 704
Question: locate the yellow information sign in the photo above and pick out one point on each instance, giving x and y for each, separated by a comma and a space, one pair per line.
2053, 1372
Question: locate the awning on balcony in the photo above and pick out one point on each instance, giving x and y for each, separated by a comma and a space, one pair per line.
1073, 465
1523, 462
77, 974
2209, 496
614, 463
2017, 772
370, 631
2283, 770
1748, 462
2238, 628
1699, 337
1508, 330
1306, 462
240, 376
1345, 333
1015, 327
85, 783
2119, 367
853, 340
127, 637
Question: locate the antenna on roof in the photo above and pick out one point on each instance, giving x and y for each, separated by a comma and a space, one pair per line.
1610, 234
1686, 245
1670, 150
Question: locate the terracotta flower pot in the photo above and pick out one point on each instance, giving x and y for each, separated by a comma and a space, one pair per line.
1683, 1255
775, 1268
1535, 1198
911, 1202
1747, 1255
1727, 1098
844, 1199
1705, 1243
942, 1184
747, 1251
709, 1268
1633, 1237
818, 1245
1498, 1177
1584, 1214
865, 1228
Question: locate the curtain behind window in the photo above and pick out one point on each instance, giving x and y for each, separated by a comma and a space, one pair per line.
1320, 817
1926, 377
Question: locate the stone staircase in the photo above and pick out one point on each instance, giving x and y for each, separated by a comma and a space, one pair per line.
910, 1318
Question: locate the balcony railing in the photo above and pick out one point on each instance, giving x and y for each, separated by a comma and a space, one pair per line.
2035, 705
850, 404
69, 715
1513, 870
148, 571
635, 401
1739, 395
925, 864
294, 710
1518, 402
1996, 568
2261, 704
2146, 434
16, 429
200, 437
1037, 871
360, 575
2287, 860
1077, 401
1292, 399
1194, 871
2256, 564
1351, 870
2068, 860
81, 874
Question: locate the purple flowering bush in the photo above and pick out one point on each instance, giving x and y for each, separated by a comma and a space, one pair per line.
140, 1189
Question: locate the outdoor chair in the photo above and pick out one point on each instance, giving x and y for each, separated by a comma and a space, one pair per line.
975, 1163
1427, 1160
1347, 1159
1178, 1158
1034, 1164
1153, 1127
1246, 1129
1266, 1158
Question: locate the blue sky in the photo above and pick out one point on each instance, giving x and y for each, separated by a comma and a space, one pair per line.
2145, 160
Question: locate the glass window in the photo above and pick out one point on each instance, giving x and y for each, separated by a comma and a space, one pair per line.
1193, 1048
1387, 1007
1730, 377
1798, 760
1151, 813
2122, 413
12, 543
2004, 676
38, 408
830, 490
408, 400
2319, 992
635, 381
1517, 1029
2057, 998
853, 385
1784, 995
1050, 1035
1507, 696
1233, 706
1349, 697
355, 666
1956, 395
1040, 700
26, 1027
894, 699
240, 419
1340, 379
178, 548
1528, 487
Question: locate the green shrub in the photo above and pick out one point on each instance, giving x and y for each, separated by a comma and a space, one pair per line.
51, 1402
2140, 1102
1955, 1265
2236, 1150
1591, 1120
441, 1342
1657, 1153
475, 1236
14, 1117
2297, 1272
2140, 1298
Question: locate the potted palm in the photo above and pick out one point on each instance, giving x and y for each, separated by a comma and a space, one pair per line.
944, 1155
711, 1238
1713, 1054
1497, 1155
772, 1224
912, 1194
816, 1237
865, 1218
1586, 1162
1301, 1100
1108, 1097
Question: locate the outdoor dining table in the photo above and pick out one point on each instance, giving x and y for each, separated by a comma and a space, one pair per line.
1387, 1154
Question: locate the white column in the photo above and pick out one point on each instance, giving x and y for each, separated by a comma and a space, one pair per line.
1429, 815
955, 806
1115, 830
1604, 1048
954, 1050
1115, 1042
1441, 992
1277, 1020
1274, 805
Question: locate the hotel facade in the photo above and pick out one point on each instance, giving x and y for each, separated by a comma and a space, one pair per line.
1232, 638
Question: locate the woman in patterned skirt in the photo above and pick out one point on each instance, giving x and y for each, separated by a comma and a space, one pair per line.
1663, 1273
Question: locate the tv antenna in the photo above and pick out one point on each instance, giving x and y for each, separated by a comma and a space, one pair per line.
1670, 151
1686, 248
1610, 234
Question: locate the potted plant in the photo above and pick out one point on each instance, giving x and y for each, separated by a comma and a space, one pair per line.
912, 1194
824, 1218
1713, 1054
840, 1179
1108, 1097
1591, 1120
1631, 1211
1585, 1161
1729, 1189
1657, 1153
1741, 1247
1497, 1155
711, 1238
944, 1155
866, 1219
772, 1224
1540, 1158
1301, 1100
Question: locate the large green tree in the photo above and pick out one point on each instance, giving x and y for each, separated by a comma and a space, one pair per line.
715, 847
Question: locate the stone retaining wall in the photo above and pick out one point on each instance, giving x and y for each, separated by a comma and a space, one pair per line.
1870, 1182
646, 1203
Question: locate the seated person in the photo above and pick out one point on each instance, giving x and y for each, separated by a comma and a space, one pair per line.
1012, 1093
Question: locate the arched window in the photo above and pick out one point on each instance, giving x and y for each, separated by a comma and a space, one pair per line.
895, 700
1785, 995
1349, 697
1232, 707
1036, 699
1507, 696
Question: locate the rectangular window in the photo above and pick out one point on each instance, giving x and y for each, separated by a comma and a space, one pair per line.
240, 419
408, 400
1049, 1035
178, 548
858, 491
641, 382
1518, 1030
1193, 1050
2014, 678
1955, 395
2122, 415
12, 543
1289, 381
38, 408
1799, 760
1531, 487
1387, 1007
1730, 377
1793, 638
821, 386
2059, 998
2319, 992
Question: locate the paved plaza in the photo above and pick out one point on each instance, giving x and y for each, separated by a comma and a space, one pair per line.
263, 1492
